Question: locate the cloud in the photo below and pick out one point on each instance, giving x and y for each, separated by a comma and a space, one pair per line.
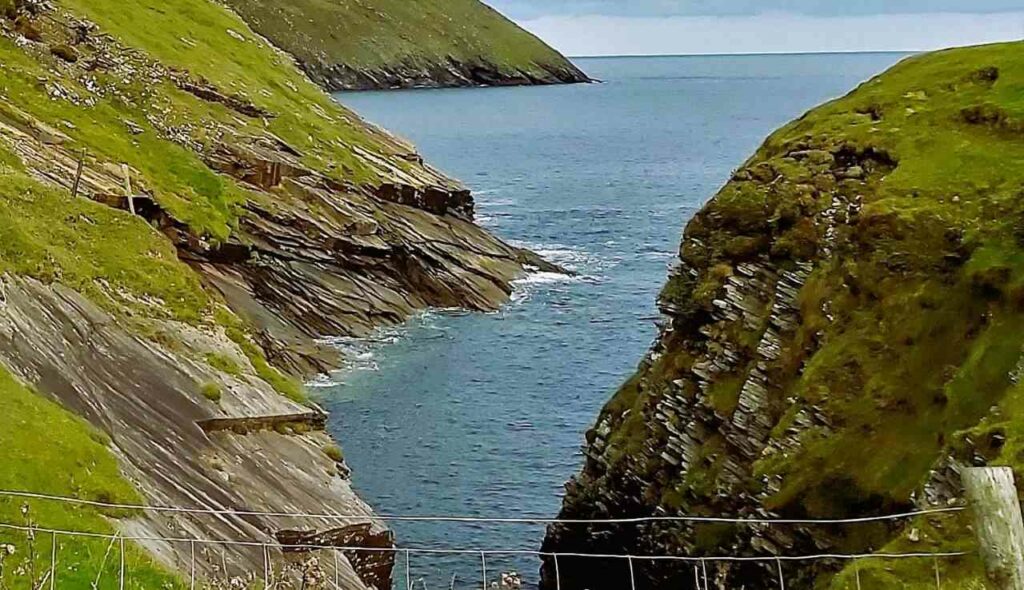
531, 9
771, 33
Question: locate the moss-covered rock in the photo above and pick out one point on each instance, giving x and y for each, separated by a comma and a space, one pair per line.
846, 329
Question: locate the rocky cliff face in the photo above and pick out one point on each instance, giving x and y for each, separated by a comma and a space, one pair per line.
225, 219
840, 335
445, 73
383, 44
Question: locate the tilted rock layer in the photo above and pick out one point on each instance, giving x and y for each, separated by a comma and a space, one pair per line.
184, 218
842, 333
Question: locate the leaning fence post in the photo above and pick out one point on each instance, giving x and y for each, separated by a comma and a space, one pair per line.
998, 524
128, 187
78, 175
483, 568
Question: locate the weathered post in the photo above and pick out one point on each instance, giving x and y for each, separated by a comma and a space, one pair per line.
998, 523
128, 187
78, 175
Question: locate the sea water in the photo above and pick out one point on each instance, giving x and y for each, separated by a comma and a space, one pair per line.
483, 414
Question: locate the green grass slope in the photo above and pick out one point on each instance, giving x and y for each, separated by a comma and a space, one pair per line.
401, 43
922, 338
121, 262
905, 201
162, 89
50, 451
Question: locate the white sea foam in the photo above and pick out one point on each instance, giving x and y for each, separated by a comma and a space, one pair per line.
583, 267
546, 278
322, 382
569, 257
358, 354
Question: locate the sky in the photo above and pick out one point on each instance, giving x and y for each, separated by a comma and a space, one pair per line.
652, 27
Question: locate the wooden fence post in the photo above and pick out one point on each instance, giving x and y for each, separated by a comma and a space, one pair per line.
998, 524
78, 175
128, 188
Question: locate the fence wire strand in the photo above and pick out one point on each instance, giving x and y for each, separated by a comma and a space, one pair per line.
699, 564
486, 552
475, 519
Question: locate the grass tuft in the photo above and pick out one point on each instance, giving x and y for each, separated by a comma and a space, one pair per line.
334, 453
212, 391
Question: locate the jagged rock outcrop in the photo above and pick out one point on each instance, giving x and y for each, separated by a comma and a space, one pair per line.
839, 337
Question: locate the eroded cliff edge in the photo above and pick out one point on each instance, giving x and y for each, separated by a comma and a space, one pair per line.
384, 44
183, 217
842, 332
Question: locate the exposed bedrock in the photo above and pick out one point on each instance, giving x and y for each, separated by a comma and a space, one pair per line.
828, 350
310, 250
443, 74
148, 398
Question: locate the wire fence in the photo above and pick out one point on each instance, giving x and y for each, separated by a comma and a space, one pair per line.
272, 576
485, 520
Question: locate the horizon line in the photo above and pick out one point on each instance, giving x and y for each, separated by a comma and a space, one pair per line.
751, 54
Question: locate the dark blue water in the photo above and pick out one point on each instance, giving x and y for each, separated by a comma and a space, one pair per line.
484, 414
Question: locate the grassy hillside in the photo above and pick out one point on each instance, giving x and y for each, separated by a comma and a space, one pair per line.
384, 43
47, 450
255, 194
847, 326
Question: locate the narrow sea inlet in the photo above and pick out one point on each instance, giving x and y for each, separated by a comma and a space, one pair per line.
484, 414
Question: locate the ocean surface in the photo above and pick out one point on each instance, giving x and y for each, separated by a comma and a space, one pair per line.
483, 414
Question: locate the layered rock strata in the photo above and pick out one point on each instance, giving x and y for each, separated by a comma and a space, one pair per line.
192, 413
840, 336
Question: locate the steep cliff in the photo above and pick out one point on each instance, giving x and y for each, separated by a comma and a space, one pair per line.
376, 44
183, 217
842, 332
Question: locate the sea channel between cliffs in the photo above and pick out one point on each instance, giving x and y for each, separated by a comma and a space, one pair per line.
484, 414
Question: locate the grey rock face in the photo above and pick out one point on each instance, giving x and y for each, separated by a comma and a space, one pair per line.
711, 403
148, 399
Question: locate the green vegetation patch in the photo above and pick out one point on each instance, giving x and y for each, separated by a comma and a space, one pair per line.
207, 201
212, 392
925, 321
115, 259
334, 453
286, 385
224, 363
913, 330
106, 254
380, 35
906, 199
47, 450
213, 43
